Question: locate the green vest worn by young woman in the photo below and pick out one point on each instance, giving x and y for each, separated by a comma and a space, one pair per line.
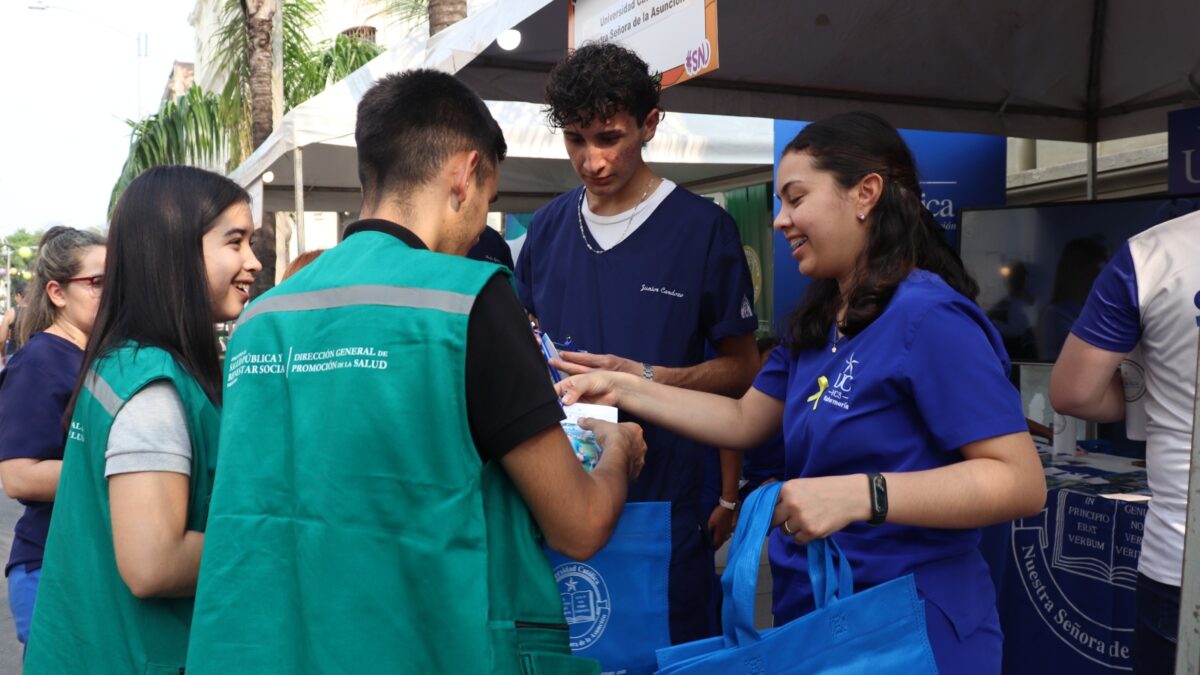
353, 526
86, 620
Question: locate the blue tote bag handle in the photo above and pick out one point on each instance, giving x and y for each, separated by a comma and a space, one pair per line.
741, 572
881, 629
831, 579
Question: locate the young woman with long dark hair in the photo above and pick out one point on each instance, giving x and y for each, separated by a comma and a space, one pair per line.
902, 432
35, 387
124, 547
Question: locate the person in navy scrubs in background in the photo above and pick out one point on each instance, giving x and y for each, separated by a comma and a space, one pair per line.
902, 432
492, 248
637, 275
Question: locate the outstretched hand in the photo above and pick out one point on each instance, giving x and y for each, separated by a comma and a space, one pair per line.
594, 387
576, 363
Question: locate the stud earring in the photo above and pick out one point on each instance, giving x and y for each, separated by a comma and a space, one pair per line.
862, 217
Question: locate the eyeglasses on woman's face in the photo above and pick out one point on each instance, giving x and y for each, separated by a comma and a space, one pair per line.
94, 283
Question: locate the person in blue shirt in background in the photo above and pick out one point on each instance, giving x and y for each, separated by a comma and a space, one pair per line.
903, 433
34, 391
492, 248
750, 469
1146, 298
8, 325
640, 274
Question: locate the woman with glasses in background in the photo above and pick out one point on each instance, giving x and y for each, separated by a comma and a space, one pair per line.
34, 390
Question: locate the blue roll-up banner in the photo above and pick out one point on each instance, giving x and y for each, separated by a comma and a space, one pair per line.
1183, 151
957, 171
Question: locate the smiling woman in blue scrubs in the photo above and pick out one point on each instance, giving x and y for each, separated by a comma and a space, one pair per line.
903, 434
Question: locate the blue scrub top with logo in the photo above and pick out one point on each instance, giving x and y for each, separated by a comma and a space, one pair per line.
927, 377
678, 281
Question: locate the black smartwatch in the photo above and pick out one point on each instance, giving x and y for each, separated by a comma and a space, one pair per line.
879, 501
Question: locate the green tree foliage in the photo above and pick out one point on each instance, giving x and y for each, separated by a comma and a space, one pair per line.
24, 245
204, 129
230, 52
187, 131
331, 61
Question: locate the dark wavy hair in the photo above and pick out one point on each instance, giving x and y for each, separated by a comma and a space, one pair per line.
597, 81
155, 281
902, 233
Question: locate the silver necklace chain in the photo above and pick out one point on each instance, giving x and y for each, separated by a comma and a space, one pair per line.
628, 221
835, 338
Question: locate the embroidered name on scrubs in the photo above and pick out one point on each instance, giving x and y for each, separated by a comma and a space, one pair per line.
646, 288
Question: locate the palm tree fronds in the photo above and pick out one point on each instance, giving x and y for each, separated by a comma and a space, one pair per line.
187, 131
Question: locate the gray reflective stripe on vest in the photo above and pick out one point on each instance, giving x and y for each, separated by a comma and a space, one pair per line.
390, 296
102, 392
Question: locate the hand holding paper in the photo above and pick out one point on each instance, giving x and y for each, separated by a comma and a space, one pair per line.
593, 429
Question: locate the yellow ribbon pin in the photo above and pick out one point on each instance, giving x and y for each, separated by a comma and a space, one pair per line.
822, 385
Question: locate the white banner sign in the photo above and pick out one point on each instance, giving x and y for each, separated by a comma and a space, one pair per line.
677, 38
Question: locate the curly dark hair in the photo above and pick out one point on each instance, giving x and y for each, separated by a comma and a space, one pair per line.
597, 81
903, 234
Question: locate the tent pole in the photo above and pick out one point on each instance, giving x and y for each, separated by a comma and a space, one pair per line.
1091, 171
298, 170
1187, 656
1095, 52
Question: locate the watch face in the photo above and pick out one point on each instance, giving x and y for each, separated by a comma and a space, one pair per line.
879, 503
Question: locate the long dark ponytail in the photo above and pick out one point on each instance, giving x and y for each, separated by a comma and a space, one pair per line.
902, 233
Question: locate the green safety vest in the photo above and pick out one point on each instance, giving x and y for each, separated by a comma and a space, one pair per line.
86, 620
353, 525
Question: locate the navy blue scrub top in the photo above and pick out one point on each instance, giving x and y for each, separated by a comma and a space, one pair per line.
927, 377
677, 281
34, 391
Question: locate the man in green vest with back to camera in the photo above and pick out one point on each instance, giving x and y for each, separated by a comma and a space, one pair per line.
391, 456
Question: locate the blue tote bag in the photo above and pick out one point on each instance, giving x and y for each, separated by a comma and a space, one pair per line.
880, 630
615, 602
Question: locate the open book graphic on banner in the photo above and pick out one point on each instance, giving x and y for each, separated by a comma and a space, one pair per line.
1087, 541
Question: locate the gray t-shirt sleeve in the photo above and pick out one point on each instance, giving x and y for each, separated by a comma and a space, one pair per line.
150, 433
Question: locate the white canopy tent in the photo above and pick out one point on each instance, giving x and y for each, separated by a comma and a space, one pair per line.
313, 159
1074, 70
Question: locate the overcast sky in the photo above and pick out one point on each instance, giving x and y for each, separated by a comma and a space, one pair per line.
71, 78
